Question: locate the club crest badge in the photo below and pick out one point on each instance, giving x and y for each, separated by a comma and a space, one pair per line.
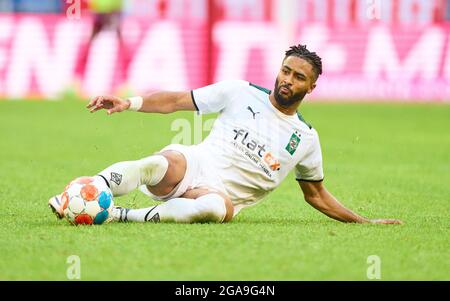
293, 143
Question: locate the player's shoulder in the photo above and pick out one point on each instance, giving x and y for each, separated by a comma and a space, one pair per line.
306, 126
253, 86
304, 123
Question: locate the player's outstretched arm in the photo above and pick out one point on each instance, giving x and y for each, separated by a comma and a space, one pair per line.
160, 102
318, 197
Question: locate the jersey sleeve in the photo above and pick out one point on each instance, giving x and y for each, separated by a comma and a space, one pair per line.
310, 167
214, 98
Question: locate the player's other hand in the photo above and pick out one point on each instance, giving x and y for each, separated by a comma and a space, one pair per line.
112, 104
386, 221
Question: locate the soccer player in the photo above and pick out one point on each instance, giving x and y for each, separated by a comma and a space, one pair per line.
106, 16
257, 139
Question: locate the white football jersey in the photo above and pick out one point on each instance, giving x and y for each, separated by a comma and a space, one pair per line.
252, 145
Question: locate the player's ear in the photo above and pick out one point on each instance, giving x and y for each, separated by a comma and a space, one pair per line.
313, 85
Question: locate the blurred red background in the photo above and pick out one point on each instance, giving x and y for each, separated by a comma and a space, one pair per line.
395, 50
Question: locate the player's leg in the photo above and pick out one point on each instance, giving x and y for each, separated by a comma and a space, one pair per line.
198, 192
195, 206
175, 172
161, 173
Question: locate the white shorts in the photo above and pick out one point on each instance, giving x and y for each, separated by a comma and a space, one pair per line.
197, 173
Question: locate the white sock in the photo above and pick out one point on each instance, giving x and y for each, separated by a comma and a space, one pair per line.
124, 177
207, 208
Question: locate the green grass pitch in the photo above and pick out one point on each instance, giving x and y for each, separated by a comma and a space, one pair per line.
380, 160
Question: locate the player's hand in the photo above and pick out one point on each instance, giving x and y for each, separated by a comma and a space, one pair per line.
112, 104
386, 221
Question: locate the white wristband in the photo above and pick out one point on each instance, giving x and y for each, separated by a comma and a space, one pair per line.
135, 103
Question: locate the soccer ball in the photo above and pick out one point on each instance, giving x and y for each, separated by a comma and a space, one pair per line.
87, 200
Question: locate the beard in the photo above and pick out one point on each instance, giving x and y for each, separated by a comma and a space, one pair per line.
284, 100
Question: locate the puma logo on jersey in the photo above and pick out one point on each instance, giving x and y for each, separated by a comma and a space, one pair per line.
251, 111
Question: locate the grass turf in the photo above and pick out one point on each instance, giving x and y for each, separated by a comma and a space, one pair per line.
380, 160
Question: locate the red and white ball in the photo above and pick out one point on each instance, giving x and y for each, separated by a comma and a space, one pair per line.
87, 200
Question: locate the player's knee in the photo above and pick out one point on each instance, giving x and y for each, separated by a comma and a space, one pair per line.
224, 202
153, 169
174, 173
177, 167
215, 207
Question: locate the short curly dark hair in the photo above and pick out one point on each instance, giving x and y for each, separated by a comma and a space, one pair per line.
311, 57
